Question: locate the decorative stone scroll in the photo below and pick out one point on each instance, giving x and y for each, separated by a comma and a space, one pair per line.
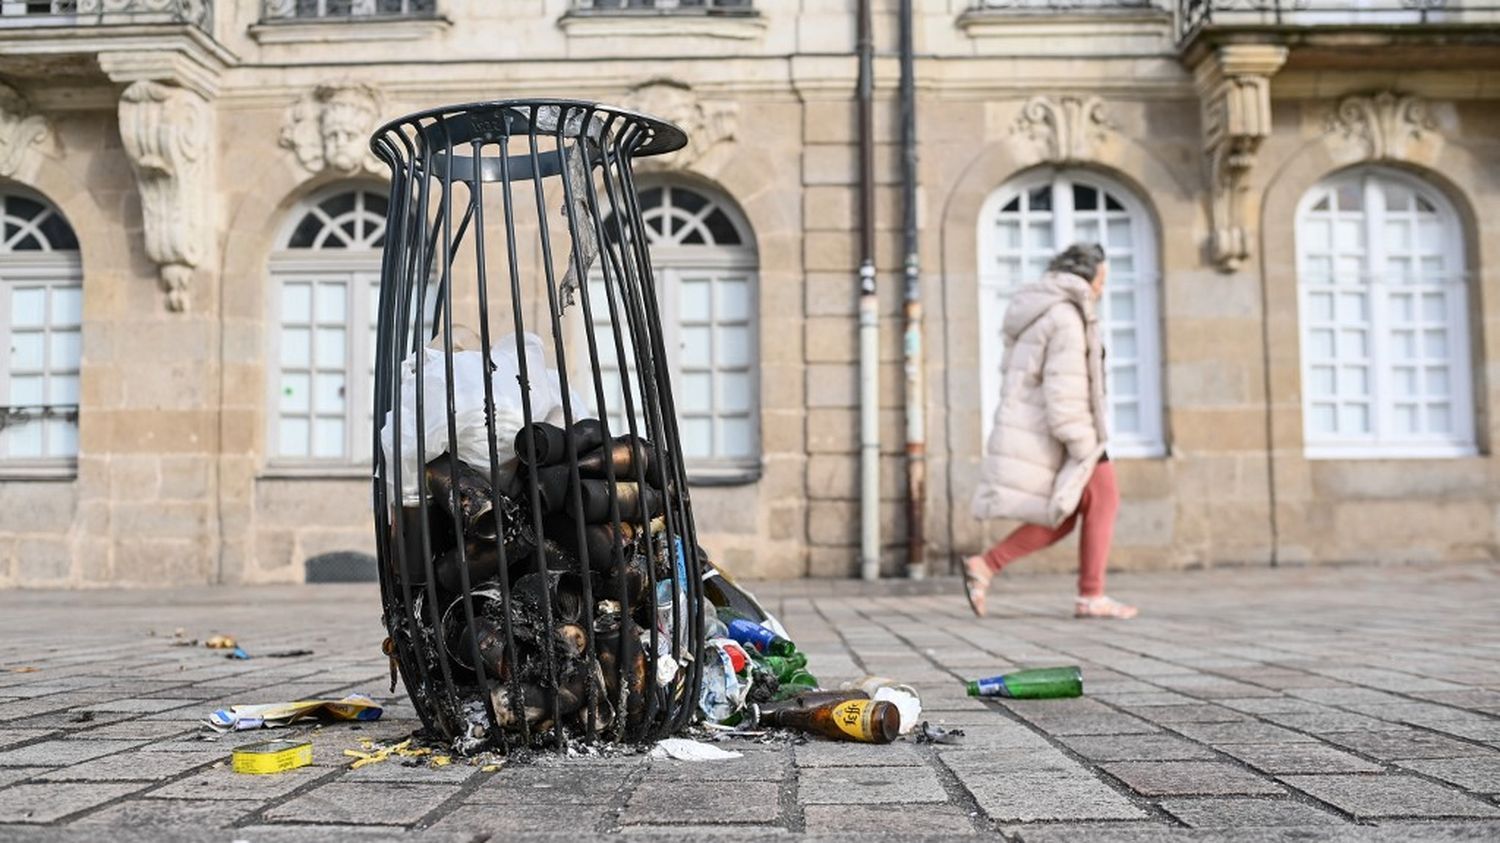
22, 133
1234, 90
1387, 126
329, 128
707, 123
166, 132
1064, 130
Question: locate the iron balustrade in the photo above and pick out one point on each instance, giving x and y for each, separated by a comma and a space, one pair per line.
687, 7
1058, 5
306, 10
1194, 15
90, 12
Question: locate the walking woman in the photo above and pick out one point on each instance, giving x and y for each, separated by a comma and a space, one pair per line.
1045, 462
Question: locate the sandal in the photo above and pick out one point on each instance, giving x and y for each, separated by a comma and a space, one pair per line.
1103, 607
977, 578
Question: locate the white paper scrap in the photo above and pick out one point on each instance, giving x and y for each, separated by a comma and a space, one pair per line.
685, 750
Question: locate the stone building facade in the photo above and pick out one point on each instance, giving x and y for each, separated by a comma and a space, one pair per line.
1300, 202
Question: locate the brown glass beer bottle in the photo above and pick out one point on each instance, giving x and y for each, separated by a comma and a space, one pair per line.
867, 721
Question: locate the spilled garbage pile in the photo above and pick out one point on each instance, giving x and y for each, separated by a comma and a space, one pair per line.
542, 579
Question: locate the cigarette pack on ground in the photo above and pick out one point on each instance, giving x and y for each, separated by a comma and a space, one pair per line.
239, 718
272, 756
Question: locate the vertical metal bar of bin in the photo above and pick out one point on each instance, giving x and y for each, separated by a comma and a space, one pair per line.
518, 320
570, 443
481, 279
446, 710
541, 560
607, 269
390, 352
466, 593
658, 390
613, 295
642, 347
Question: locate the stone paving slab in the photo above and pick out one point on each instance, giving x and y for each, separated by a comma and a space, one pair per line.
1239, 812
1243, 705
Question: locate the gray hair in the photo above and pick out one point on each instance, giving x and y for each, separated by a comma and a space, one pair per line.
1081, 259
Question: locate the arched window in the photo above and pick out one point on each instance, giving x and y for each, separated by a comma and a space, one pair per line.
1021, 227
41, 312
326, 282
704, 263
1384, 299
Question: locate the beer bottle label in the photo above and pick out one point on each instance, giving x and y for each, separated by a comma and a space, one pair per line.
853, 719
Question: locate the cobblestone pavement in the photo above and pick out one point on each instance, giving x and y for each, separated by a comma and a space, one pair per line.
1338, 703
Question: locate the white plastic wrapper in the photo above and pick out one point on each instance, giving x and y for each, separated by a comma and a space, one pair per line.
472, 445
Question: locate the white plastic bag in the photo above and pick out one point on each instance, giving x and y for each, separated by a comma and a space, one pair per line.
472, 445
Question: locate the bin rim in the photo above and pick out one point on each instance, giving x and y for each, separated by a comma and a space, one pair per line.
666, 136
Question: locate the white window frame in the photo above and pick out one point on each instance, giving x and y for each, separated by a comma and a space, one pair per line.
995, 288
1380, 443
359, 271
52, 270
670, 264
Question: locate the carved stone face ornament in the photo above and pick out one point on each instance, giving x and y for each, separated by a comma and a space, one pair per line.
326, 129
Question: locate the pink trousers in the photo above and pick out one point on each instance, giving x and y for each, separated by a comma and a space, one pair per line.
1101, 499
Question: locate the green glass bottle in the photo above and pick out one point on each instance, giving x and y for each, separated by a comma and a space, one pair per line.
1038, 684
783, 666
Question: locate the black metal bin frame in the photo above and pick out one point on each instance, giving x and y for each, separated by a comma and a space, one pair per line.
468, 681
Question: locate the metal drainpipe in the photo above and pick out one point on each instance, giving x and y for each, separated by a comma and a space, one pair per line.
869, 330
911, 345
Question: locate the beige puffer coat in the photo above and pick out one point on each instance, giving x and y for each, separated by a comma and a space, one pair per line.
1049, 429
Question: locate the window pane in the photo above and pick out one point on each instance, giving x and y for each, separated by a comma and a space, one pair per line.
1435, 344
330, 393
1119, 233
27, 351
295, 393
1355, 418
737, 438
1123, 343
62, 438
734, 300
697, 393
67, 306
1434, 309
329, 343
28, 307
1122, 307
1123, 381
294, 435
328, 437
66, 350
1439, 418
1404, 381
1322, 381
296, 302
62, 390
1437, 381
330, 303
296, 347
697, 437
1324, 418
734, 346
695, 301
27, 391
1320, 307
1126, 417
24, 440
697, 346
1404, 416
735, 392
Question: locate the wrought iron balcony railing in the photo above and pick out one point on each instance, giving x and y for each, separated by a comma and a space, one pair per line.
313, 10
1199, 14
686, 7
14, 13
1058, 6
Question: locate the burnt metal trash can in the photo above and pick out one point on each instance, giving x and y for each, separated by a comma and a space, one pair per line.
539, 570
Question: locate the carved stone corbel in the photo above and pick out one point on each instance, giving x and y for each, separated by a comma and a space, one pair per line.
707, 123
1387, 126
1234, 90
23, 133
1063, 130
329, 128
166, 131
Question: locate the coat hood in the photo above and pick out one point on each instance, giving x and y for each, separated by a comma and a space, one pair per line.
1029, 303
